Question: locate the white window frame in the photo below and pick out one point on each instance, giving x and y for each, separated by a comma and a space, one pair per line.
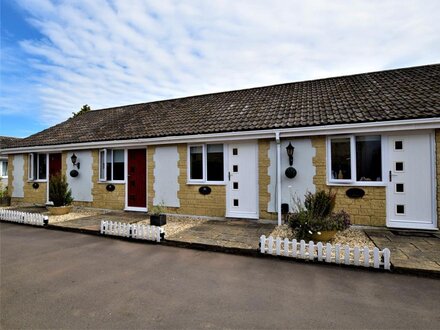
1, 168
353, 181
204, 179
32, 172
104, 152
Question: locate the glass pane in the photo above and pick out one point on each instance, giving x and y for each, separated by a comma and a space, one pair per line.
341, 162
41, 166
196, 163
368, 158
215, 162
118, 164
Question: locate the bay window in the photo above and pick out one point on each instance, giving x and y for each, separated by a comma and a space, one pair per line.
355, 159
111, 165
37, 166
206, 163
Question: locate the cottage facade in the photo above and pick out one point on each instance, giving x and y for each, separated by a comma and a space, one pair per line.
373, 138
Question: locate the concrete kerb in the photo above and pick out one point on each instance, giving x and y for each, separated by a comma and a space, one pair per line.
241, 251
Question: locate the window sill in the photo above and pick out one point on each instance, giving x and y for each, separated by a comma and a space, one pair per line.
39, 181
111, 182
358, 184
206, 183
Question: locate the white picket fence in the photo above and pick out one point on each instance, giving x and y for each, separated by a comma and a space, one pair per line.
329, 253
138, 231
35, 219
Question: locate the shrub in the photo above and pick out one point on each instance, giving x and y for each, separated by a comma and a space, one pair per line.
316, 215
3, 191
59, 192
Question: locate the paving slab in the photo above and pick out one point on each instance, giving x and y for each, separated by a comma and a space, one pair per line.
418, 252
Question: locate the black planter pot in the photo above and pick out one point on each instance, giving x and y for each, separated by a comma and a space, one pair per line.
158, 220
5, 201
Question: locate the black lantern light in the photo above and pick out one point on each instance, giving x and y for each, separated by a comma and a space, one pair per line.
74, 161
290, 149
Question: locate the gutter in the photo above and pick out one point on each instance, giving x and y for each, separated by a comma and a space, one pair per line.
278, 141
384, 126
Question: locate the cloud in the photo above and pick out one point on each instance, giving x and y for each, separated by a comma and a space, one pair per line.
109, 53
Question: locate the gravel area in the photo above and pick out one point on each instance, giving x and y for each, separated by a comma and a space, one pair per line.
352, 236
76, 213
178, 224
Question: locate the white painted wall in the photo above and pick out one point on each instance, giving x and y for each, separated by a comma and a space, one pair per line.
166, 176
81, 185
18, 173
302, 162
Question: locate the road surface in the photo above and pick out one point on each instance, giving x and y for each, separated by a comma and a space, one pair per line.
52, 279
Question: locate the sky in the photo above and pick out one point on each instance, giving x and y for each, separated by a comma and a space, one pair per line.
59, 55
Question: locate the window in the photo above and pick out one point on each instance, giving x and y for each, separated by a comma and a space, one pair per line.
206, 163
4, 168
355, 159
37, 166
368, 158
111, 165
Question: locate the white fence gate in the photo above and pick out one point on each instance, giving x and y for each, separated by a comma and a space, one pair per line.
35, 219
138, 231
329, 253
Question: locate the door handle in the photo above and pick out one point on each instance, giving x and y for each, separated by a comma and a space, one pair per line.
229, 175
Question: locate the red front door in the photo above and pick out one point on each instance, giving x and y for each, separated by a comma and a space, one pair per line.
54, 164
137, 178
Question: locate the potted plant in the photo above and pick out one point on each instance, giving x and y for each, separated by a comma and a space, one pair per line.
5, 199
60, 195
315, 218
158, 216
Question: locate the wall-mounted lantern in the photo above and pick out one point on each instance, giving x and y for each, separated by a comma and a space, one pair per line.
290, 149
290, 171
74, 160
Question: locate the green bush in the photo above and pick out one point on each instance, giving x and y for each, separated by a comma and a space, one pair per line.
59, 192
316, 215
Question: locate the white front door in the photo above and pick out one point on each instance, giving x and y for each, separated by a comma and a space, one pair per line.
411, 189
242, 188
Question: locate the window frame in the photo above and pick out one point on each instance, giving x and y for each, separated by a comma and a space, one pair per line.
3, 161
353, 162
105, 152
33, 172
204, 179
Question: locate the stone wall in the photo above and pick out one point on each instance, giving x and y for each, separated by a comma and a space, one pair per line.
368, 210
264, 179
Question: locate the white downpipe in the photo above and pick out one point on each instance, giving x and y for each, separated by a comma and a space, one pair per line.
277, 138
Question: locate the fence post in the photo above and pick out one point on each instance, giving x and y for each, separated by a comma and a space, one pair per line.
294, 248
311, 250
347, 255
302, 248
262, 243
286, 247
328, 252
278, 246
356, 255
270, 243
319, 245
366, 257
337, 253
386, 258
376, 257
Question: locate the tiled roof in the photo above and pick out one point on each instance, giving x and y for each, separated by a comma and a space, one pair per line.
5, 141
407, 93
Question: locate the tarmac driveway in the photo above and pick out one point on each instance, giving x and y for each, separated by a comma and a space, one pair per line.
53, 279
